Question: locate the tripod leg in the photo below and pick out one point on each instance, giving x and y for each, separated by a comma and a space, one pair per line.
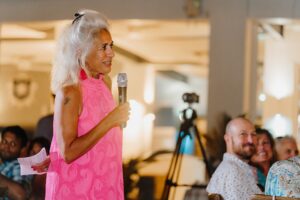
207, 164
178, 166
172, 169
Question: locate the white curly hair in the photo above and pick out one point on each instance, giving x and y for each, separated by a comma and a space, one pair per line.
73, 46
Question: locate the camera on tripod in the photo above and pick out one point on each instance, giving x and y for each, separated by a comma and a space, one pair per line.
190, 98
187, 128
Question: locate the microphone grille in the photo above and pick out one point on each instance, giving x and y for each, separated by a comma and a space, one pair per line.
122, 80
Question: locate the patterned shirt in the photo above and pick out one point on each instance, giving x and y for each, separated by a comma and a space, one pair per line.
233, 179
284, 178
11, 170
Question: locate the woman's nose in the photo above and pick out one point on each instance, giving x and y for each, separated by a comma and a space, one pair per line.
110, 52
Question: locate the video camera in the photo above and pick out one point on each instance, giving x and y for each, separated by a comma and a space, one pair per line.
190, 98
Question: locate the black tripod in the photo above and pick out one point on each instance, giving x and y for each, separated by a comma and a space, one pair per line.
186, 127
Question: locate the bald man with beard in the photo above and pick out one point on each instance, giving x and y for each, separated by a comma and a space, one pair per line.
234, 179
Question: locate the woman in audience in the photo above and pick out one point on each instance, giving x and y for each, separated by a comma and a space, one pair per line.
286, 147
39, 181
284, 178
264, 156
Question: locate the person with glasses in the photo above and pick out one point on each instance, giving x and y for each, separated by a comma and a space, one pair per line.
12, 184
86, 148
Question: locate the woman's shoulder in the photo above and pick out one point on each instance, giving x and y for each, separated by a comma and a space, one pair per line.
290, 166
70, 91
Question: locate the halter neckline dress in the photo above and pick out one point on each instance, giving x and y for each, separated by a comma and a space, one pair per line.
98, 173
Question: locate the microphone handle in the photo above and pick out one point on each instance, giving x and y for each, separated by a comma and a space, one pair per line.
122, 99
122, 94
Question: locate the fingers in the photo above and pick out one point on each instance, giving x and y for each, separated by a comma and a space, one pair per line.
125, 111
121, 113
40, 170
43, 166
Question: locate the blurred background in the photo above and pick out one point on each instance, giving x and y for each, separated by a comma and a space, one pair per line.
240, 56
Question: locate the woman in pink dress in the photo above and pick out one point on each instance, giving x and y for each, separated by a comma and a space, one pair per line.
86, 149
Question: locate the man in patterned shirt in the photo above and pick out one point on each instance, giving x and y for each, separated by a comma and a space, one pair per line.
12, 184
284, 178
234, 179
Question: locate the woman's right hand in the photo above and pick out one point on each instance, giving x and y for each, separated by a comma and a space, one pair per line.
119, 115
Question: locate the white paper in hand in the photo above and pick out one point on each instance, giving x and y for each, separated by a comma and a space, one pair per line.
27, 162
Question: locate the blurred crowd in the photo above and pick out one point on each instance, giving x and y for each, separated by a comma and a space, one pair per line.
15, 143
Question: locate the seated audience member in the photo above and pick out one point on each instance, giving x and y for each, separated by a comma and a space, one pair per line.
13, 185
37, 144
38, 181
44, 127
284, 178
286, 147
264, 156
234, 179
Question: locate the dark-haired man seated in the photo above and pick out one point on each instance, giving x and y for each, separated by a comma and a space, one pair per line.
12, 184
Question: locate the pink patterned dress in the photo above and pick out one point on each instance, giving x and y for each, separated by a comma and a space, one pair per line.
98, 173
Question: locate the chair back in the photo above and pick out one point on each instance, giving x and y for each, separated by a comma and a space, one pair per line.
268, 197
214, 196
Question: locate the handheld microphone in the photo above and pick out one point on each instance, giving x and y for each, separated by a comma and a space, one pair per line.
122, 88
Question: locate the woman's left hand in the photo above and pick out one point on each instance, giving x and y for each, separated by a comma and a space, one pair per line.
43, 166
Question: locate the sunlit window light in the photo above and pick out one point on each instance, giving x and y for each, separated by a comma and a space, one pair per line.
139, 128
147, 129
149, 85
278, 69
279, 125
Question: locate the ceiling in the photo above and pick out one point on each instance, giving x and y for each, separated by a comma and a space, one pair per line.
30, 46
182, 45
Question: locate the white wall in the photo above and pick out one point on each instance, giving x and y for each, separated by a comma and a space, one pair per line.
28, 110
230, 52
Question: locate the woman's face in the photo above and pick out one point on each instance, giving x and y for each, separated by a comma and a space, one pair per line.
35, 149
99, 59
264, 151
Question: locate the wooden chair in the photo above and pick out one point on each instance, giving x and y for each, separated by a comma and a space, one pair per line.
267, 197
214, 196
3, 192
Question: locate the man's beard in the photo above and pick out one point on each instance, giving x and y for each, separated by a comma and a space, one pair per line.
244, 154
7, 158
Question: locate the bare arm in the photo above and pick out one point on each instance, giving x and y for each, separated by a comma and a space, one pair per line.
13, 189
67, 108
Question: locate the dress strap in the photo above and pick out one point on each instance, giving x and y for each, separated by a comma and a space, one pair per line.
82, 75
